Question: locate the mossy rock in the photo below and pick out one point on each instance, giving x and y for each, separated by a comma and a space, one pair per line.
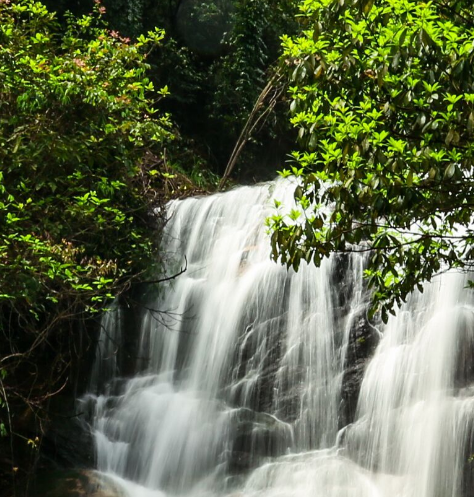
83, 483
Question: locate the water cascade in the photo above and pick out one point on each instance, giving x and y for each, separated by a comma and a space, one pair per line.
254, 380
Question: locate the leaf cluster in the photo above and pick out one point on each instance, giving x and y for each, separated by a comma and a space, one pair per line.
80, 140
382, 98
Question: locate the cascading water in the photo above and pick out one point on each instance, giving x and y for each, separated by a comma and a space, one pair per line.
244, 384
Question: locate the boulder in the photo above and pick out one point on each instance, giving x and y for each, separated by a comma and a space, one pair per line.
81, 483
67, 442
257, 436
464, 350
363, 340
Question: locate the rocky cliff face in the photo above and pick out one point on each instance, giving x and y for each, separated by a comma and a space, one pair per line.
363, 340
273, 407
266, 405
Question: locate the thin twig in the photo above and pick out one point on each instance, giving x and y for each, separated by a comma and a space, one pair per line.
169, 278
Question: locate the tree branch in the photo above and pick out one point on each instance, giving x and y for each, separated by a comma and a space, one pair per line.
169, 278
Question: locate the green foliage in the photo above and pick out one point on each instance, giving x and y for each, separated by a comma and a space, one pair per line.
81, 145
217, 64
240, 74
78, 129
215, 59
203, 26
382, 97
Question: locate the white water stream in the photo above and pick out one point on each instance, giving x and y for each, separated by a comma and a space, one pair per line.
239, 387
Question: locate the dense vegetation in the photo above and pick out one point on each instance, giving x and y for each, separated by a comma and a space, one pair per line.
89, 149
383, 101
81, 144
216, 58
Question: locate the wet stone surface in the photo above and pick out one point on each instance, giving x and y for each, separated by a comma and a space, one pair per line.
83, 483
363, 341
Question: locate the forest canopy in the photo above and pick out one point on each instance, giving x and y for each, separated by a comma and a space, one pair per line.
382, 99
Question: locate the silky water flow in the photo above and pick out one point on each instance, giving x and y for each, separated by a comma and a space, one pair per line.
243, 368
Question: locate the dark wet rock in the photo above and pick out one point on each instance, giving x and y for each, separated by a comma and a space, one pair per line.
467, 487
240, 462
256, 363
342, 285
65, 444
357, 443
363, 340
68, 441
464, 351
352, 380
68, 445
257, 436
80, 483
467, 484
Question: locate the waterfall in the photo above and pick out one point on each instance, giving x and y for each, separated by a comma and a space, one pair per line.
254, 380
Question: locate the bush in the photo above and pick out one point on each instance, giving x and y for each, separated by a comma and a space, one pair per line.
80, 149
